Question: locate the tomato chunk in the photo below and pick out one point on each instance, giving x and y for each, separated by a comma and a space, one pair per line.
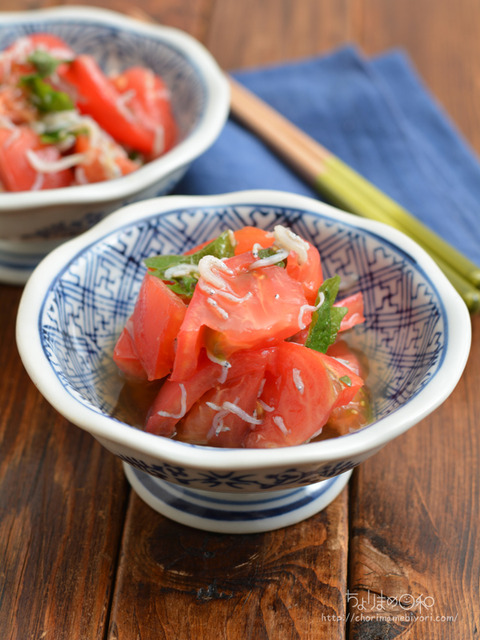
16, 170
148, 99
102, 162
225, 414
308, 273
248, 236
239, 308
98, 97
175, 399
302, 388
126, 357
153, 326
355, 315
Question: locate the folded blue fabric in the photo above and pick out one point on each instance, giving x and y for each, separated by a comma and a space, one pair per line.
376, 116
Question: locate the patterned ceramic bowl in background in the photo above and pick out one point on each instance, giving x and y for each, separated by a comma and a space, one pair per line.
33, 223
416, 338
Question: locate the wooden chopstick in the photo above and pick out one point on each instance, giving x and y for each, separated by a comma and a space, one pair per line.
348, 189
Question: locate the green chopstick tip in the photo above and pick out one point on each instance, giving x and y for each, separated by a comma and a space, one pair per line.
472, 300
474, 277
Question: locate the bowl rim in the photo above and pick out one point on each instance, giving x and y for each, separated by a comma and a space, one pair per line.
357, 444
217, 105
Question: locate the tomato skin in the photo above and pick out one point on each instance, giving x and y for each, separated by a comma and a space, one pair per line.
98, 98
126, 357
155, 322
207, 376
209, 423
177, 398
355, 314
309, 273
248, 236
150, 104
16, 172
346, 381
271, 309
297, 404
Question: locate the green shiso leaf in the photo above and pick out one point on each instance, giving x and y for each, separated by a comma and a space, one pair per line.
221, 247
44, 97
44, 63
326, 320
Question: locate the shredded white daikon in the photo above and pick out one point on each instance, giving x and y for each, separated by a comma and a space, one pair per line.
180, 270
265, 406
225, 364
309, 307
220, 310
278, 420
12, 137
290, 241
183, 405
256, 248
206, 268
231, 236
53, 166
231, 407
38, 184
234, 298
269, 260
297, 380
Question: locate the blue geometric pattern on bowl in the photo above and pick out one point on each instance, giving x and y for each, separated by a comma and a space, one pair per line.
403, 337
234, 480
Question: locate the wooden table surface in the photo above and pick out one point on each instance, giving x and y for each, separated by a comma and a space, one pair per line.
82, 558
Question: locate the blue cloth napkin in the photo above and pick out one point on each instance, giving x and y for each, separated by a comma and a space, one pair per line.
377, 116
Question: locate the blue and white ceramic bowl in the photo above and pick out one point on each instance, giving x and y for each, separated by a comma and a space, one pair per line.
33, 223
416, 338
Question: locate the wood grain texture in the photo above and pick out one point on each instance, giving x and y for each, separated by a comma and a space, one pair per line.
176, 582
62, 502
275, 30
413, 563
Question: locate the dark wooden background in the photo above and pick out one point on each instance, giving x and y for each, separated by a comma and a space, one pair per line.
82, 558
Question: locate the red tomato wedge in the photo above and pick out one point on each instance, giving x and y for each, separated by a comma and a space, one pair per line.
346, 381
125, 355
302, 388
97, 96
308, 273
175, 399
99, 158
14, 59
148, 98
154, 323
248, 236
16, 170
342, 352
25, 46
355, 315
297, 398
246, 309
225, 414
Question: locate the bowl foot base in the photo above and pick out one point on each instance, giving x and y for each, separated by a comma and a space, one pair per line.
223, 512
